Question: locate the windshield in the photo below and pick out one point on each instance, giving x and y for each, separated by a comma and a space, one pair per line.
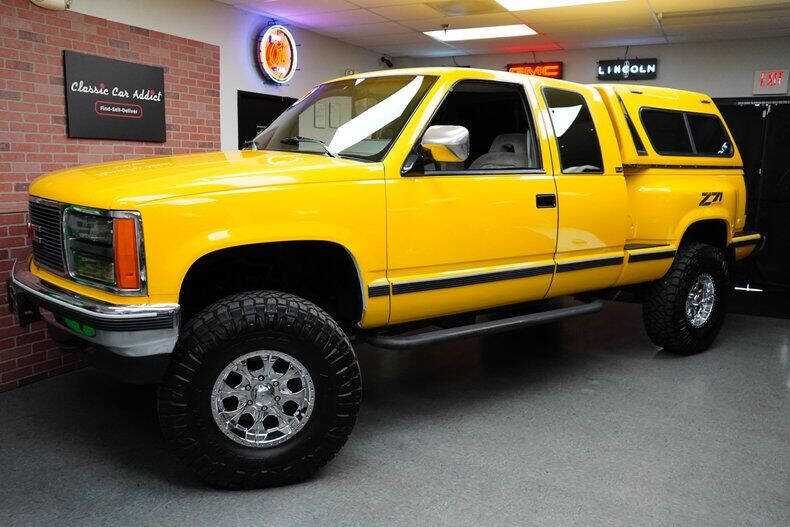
356, 118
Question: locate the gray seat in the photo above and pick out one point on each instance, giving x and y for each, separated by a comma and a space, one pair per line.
507, 151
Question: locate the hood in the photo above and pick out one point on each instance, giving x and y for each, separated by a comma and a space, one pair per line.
125, 184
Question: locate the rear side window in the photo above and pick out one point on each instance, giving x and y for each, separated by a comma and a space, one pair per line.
574, 129
667, 132
710, 138
686, 133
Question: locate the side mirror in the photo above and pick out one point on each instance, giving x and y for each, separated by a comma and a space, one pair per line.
446, 143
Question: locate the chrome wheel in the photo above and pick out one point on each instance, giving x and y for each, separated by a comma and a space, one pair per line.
700, 300
263, 398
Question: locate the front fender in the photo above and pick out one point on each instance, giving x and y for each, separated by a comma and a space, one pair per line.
179, 231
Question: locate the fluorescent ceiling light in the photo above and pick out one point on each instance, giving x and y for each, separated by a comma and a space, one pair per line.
476, 33
527, 5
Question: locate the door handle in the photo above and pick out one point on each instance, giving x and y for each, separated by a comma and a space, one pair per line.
545, 201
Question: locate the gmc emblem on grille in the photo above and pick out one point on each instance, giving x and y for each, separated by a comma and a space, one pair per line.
32, 233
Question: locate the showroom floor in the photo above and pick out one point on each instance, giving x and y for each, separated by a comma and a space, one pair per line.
579, 423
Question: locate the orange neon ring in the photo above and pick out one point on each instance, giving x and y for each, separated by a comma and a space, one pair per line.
276, 54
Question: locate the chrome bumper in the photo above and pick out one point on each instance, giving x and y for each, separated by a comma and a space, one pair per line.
132, 331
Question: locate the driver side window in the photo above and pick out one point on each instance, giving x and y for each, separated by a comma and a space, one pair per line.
501, 133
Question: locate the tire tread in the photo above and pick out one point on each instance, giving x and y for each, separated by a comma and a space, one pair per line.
233, 315
663, 309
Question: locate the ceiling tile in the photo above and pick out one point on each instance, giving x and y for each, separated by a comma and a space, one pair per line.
727, 30
727, 35
547, 25
337, 18
381, 3
613, 33
374, 41
466, 7
608, 43
626, 8
458, 22
291, 8
705, 5
379, 28
407, 12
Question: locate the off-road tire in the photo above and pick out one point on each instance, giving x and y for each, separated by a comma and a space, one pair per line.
241, 324
664, 308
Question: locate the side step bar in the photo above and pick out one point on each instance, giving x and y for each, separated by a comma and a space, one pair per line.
482, 328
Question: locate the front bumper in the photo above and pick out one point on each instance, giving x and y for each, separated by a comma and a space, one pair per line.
127, 332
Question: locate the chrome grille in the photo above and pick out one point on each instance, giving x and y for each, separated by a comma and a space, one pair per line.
47, 235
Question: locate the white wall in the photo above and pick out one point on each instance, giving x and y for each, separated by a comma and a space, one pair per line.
720, 69
234, 31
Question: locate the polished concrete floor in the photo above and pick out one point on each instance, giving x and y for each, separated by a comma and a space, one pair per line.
579, 423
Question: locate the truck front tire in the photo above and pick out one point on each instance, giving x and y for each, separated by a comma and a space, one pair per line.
263, 390
684, 311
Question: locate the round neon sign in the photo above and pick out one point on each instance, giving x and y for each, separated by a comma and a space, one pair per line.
276, 54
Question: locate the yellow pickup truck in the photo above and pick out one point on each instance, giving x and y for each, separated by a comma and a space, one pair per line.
389, 207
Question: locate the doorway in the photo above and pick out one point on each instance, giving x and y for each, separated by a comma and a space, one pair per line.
256, 111
761, 129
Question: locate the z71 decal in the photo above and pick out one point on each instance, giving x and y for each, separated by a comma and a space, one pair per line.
710, 197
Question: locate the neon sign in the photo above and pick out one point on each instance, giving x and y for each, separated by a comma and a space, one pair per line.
552, 70
627, 69
276, 54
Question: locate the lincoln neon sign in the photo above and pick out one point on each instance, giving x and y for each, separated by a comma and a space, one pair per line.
552, 70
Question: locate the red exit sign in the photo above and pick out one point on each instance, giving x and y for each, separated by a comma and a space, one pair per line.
771, 78
552, 70
770, 82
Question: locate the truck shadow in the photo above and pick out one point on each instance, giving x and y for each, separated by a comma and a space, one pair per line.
441, 379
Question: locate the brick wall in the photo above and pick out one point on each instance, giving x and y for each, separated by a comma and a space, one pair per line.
33, 135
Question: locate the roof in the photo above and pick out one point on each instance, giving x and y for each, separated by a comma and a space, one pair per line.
649, 91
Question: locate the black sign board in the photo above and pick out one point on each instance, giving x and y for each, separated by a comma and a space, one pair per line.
113, 99
627, 69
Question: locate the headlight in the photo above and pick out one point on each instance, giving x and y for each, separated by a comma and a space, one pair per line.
104, 249
90, 228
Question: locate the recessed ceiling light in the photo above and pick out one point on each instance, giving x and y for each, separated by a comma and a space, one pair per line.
527, 5
476, 33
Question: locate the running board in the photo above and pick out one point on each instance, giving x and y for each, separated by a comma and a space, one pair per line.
482, 328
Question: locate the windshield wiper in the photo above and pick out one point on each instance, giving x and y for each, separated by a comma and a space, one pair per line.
295, 140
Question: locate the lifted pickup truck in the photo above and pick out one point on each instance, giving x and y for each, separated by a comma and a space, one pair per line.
236, 279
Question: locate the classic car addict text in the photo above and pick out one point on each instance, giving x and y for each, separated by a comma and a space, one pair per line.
101, 89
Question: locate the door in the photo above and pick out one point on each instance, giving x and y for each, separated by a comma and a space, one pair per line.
471, 235
591, 189
761, 129
256, 111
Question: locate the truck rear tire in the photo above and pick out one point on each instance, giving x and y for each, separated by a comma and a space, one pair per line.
684, 311
263, 390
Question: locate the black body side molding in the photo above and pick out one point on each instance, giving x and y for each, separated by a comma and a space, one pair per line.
656, 255
378, 290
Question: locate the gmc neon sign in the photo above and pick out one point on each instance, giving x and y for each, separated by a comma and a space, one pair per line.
552, 70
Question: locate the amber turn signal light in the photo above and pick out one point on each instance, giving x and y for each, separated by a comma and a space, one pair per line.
127, 270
